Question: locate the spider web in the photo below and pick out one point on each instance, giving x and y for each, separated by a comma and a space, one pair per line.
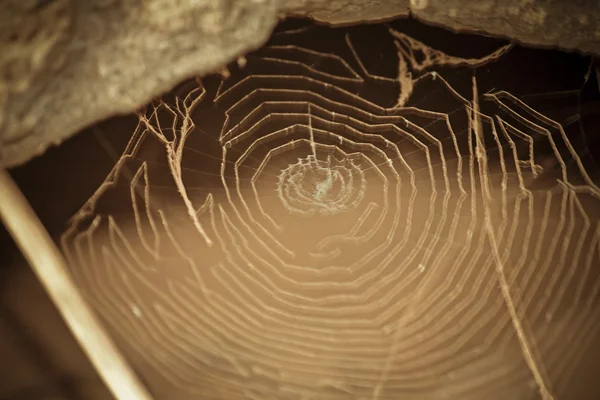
341, 218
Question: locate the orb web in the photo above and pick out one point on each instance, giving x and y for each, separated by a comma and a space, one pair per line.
315, 224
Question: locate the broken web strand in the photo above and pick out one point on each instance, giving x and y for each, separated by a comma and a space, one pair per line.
410, 48
182, 126
526, 344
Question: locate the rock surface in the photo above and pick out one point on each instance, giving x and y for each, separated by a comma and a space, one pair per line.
66, 64
570, 25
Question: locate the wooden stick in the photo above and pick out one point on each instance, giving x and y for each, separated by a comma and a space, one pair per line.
50, 267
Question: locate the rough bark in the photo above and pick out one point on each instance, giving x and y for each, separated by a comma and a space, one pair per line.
570, 25
66, 64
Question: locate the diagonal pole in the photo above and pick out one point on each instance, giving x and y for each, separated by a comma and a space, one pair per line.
50, 267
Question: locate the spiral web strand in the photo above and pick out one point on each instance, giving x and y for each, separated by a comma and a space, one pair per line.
313, 226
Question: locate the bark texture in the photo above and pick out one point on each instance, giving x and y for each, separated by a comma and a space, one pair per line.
66, 64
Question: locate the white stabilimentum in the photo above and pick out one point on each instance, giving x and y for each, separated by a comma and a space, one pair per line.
328, 187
